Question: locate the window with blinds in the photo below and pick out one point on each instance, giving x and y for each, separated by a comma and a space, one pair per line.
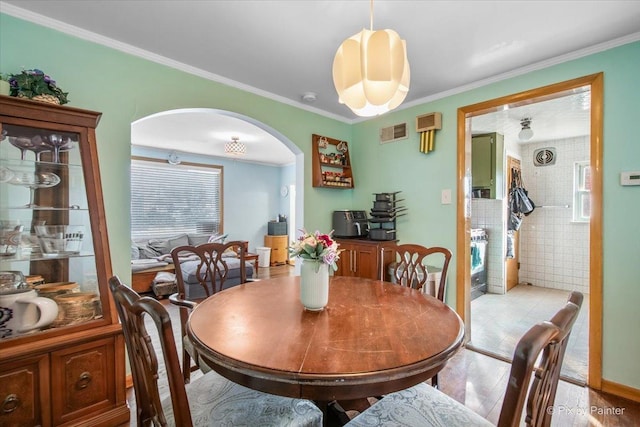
167, 200
581, 191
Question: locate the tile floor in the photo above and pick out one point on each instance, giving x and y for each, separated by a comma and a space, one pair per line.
498, 322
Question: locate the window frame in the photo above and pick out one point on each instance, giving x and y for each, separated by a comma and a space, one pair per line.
582, 178
136, 233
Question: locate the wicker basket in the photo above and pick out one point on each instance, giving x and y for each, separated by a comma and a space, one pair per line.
51, 290
75, 308
49, 99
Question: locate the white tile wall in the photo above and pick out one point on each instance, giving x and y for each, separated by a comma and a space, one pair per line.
554, 252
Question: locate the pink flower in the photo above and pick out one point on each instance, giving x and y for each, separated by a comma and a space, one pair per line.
316, 246
309, 240
326, 240
329, 258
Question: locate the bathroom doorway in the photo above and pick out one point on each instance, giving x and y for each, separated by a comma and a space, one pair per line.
512, 107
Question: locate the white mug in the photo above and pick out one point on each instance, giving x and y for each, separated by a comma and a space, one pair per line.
22, 310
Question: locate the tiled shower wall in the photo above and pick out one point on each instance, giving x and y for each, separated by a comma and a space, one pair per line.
554, 251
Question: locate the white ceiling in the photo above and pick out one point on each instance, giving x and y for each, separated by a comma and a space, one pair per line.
282, 49
559, 118
205, 131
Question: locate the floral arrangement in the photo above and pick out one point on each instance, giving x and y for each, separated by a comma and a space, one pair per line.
35, 84
318, 247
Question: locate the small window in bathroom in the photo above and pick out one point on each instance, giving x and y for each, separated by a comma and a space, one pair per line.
581, 191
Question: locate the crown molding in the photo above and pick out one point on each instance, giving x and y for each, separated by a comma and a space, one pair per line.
83, 34
45, 21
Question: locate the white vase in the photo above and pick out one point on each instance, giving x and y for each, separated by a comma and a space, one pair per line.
5, 88
314, 285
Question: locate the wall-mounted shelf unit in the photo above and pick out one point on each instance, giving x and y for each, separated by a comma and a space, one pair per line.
331, 165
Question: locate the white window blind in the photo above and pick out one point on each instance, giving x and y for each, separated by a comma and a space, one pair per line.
172, 199
581, 191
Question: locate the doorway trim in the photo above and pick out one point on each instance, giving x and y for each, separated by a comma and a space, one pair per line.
463, 267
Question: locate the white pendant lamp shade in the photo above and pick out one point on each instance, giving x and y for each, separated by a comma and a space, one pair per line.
371, 72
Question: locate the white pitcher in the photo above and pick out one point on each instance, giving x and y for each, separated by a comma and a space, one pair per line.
22, 310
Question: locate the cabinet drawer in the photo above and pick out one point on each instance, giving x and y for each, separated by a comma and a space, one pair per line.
279, 248
24, 389
82, 380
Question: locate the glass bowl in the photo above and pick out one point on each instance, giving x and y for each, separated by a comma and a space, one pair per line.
57, 240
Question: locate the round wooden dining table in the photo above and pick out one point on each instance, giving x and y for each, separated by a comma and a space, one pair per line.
372, 338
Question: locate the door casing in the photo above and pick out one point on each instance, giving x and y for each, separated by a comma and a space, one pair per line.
463, 267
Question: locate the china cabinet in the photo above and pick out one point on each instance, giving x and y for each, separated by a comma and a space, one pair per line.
72, 370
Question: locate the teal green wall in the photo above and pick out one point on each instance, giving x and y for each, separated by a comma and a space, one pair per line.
400, 166
125, 88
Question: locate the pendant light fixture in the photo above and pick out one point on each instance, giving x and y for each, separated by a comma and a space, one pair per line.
371, 71
235, 147
526, 133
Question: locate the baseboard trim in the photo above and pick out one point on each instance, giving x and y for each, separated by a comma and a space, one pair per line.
128, 381
621, 390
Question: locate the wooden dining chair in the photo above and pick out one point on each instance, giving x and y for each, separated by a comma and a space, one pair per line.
212, 270
416, 266
530, 383
210, 400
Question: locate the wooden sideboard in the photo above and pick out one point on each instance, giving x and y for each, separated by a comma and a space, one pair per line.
363, 258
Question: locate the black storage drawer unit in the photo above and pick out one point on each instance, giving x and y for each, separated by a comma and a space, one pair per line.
277, 228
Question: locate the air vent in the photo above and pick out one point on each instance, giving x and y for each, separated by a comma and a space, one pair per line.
393, 133
544, 156
431, 121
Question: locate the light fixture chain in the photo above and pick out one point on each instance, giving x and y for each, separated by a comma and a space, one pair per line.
371, 15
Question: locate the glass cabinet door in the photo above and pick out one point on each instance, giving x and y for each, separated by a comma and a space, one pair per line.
46, 242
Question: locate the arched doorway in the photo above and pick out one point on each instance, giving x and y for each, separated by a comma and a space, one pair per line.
201, 133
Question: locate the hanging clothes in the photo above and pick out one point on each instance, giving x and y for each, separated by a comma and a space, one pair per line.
519, 202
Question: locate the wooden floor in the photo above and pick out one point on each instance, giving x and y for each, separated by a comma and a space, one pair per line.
479, 381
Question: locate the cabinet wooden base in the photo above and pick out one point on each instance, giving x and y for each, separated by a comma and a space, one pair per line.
363, 258
279, 249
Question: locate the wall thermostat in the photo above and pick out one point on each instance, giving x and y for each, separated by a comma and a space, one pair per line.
630, 178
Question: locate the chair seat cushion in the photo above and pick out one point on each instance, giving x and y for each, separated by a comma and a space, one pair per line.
189, 269
194, 291
418, 406
216, 401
